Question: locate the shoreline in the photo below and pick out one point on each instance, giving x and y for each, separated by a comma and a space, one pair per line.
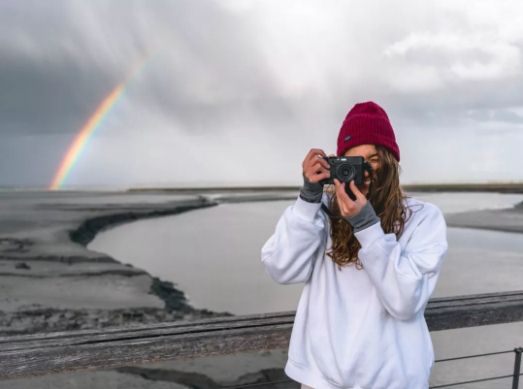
500, 187
50, 281
502, 220
34, 260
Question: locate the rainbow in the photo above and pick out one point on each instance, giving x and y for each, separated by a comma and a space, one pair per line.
86, 132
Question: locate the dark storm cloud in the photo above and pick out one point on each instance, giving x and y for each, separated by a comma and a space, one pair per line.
39, 98
50, 79
205, 69
60, 59
210, 71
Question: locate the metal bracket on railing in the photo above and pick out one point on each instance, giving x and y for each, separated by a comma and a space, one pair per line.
517, 367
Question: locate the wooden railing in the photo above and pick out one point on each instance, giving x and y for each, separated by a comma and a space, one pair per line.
44, 353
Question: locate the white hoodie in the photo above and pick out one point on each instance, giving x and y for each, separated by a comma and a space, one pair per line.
359, 329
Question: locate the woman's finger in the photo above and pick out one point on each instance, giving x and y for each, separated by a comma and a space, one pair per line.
340, 191
339, 196
316, 172
314, 154
356, 191
317, 177
320, 165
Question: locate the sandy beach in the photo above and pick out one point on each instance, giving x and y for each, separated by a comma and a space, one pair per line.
49, 280
508, 220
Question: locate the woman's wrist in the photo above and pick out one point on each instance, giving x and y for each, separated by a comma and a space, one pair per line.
366, 217
311, 191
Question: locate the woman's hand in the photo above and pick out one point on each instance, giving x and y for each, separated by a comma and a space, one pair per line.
315, 168
349, 207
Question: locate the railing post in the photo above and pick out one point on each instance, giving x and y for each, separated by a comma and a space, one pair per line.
517, 367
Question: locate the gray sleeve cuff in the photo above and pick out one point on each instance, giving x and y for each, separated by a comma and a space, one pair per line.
366, 217
311, 192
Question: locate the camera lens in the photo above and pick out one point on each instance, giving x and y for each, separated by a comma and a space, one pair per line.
346, 172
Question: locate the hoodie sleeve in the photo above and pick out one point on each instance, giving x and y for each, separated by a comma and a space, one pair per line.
405, 279
288, 255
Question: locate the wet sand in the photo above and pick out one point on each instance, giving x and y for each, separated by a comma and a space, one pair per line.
507, 220
50, 281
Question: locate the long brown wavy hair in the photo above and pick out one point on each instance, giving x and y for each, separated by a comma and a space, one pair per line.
387, 198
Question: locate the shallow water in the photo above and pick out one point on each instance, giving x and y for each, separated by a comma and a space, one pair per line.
213, 254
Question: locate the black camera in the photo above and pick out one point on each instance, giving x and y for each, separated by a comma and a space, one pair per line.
346, 169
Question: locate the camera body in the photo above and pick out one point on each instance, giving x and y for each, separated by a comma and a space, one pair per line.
346, 169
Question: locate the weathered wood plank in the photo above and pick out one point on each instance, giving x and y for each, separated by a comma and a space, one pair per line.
102, 355
474, 310
27, 355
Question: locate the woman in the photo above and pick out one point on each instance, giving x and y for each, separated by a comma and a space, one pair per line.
369, 268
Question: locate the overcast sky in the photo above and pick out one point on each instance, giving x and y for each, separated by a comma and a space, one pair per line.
235, 92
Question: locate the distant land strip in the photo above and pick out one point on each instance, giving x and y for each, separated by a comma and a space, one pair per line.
471, 187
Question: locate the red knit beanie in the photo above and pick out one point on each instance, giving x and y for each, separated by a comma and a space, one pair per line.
367, 123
